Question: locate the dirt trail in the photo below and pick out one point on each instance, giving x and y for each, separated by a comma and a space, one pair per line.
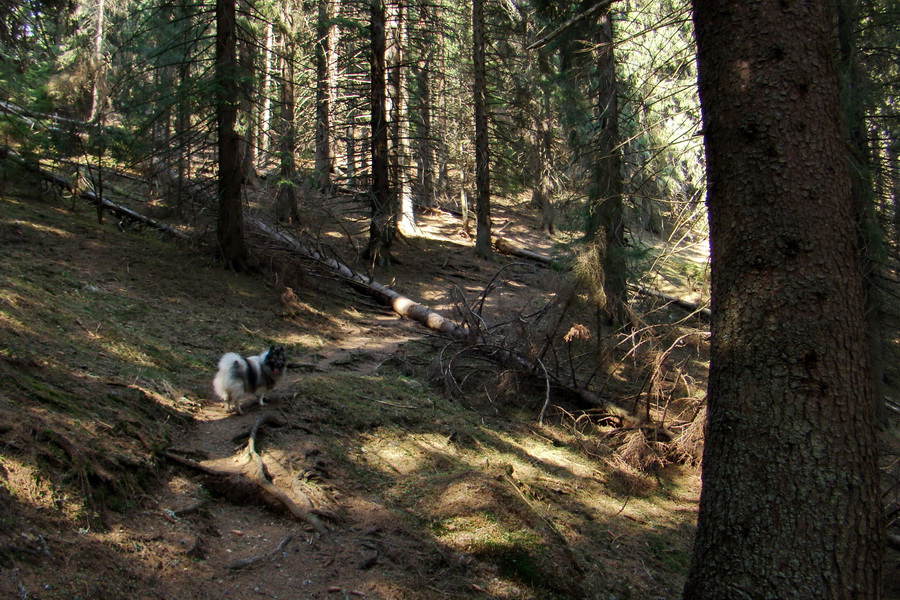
365, 531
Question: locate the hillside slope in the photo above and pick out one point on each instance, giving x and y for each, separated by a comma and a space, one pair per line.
108, 341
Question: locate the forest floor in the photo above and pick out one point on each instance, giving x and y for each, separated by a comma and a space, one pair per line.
108, 343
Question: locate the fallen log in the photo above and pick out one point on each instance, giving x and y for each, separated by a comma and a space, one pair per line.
410, 309
506, 247
693, 307
400, 304
104, 203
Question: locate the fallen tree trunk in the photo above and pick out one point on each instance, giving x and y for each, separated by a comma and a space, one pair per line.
410, 309
117, 209
506, 247
693, 307
397, 302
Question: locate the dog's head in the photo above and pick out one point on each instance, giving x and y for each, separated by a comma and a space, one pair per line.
275, 361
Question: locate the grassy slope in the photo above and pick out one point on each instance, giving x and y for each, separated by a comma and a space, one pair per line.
107, 344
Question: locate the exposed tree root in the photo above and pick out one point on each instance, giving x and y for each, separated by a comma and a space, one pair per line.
255, 473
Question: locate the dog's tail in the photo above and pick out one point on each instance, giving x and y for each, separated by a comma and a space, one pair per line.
227, 361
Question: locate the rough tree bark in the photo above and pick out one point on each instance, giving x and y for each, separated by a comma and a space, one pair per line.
790, 506
605, 220
382, 226
230, 231
853, 84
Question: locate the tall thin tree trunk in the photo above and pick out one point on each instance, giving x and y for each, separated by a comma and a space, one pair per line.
98, 89
425, 164
325, 74
790, 506
183, 147
606, 221
892, 146
351, 147
230, 230
381, 226
265, 117
405, 217
439, 108
482, 149
286, 203
542, 183
248, 53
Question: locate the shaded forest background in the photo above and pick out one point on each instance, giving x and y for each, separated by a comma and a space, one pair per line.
591, 108
350, 127
586, 112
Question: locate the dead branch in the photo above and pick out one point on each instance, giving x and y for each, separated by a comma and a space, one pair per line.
246, 562
99, 201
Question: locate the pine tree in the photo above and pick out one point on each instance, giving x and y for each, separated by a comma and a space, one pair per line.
790, 506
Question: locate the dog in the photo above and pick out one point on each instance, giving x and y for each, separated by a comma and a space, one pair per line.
240, 376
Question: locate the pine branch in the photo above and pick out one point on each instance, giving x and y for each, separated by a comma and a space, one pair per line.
601, 5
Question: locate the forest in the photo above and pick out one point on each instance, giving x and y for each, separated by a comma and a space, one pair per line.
582, 299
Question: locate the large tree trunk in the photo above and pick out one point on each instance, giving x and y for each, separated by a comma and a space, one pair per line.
482, 155
790, 504
381, 226
853, 83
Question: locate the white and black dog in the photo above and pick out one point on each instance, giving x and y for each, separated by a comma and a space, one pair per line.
240, 376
